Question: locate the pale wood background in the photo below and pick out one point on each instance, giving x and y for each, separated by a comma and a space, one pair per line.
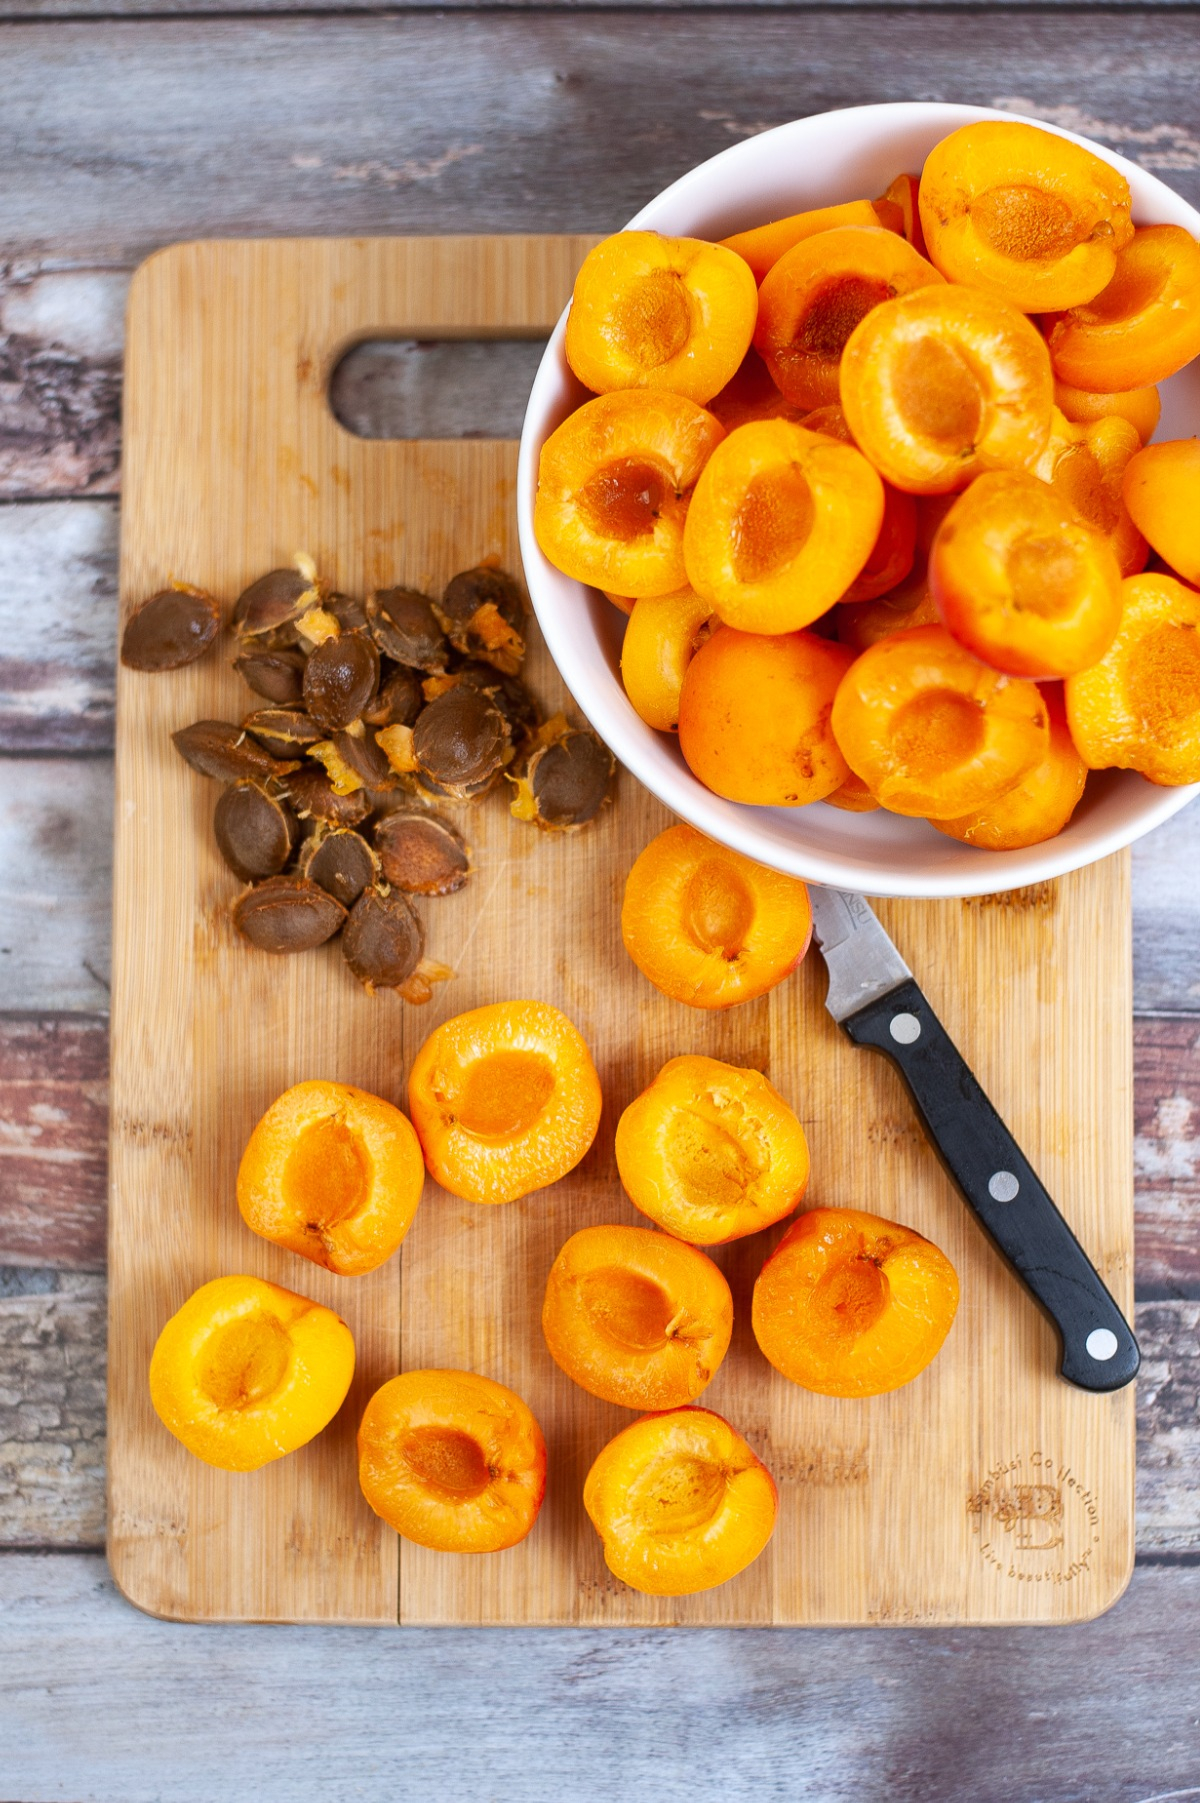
117, 136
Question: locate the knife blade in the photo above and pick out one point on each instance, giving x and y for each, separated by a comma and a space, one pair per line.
876, 1001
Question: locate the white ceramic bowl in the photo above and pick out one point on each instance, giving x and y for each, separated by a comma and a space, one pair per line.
815, 162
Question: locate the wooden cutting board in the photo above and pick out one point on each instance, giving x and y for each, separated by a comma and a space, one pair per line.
986, 1491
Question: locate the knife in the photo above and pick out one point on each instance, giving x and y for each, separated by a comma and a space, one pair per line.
875, 1000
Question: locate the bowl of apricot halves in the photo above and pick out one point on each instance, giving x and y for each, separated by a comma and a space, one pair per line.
839, 507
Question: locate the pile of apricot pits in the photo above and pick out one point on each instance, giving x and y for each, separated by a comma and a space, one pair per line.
873, 485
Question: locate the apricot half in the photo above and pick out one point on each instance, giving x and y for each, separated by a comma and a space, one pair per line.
709, 927
635, 1317
1161, 489
781, 522
1139, 707
1086, 464
681, 1503
763, 245
931, 730
817, 293
1140, 406
614, 483
1142, 327
656, 312
711, 1152
754, 716
750, 394
505, 1099
943, 383
246, 1371
1022, 581
849, 1304
452, 1460
892, 555
1023, 214
662, 637
910, 603
334, 1174
1042, 802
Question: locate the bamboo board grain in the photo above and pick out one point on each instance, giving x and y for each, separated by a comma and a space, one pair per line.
987, 1491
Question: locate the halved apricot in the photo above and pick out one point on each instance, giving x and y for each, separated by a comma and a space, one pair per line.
750, 394
853, 797
709, 927
910, 603
1042, 802
891, 559
1086, 465
452, 1461
1144, 325
334, 1174
614, 482
943, 383
899, 209
662, 637
1140, 406
1022, 581
754, 716
1023, 214
849, 1304
711, 1152
763, 245
623, 602
816, 295
656, 312
635, 1317
1161, 489
246, 1371
681, 1503
505, 1099
781, 522
1139, 707
931, 730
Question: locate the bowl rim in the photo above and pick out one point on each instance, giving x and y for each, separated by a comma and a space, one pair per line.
741, 826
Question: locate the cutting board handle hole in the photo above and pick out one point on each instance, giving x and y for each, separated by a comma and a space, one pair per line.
435, 387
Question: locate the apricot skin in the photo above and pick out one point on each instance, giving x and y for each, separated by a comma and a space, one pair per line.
1041, 804
1161, 488
1139, 707
1144, 326
849, 1304
1140, 406
763, 245
635, 1317
663, 635
1086, 464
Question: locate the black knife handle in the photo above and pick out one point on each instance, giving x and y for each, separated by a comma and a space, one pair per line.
1099, 1351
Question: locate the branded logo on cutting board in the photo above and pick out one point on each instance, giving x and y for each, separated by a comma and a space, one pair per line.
1035, 1519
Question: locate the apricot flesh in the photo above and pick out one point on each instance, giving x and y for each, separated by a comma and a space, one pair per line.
505, 1099
711, 1152
452, 1461
1161, 489
681, 1503
1139, 707
1142, 327
708, 926
1040, 805
245, 1372
663, 635
1140, 406
1086, 464
635, 1317
850, 1304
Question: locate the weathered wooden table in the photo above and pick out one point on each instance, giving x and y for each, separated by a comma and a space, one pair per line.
119, 134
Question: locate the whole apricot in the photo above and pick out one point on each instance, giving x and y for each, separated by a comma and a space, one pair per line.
1040, 805
1161, 489
635, 1317
849, 1304
1139, 707
708, 926
246, 1372
1142, 327
662, 637
681, 1503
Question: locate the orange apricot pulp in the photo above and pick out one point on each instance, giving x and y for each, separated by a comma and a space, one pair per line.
711, 1152
636, 1318
246, 1371
1140, 406
899, 209
709, 927
754, 717
614, 482
781, 522
853, 797
1086, 465
943, 383
505, 1099
452, 1460
1022, 581
931, 730
1144, 325
334, 1174
763, 245
1139, 707
849, 1304
1023, 214
655, 312
831, 421
1161, 489
681, 1503
750, 394
623, 602
908, 604
816, 295
663, 635
891, 560
1042, 802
